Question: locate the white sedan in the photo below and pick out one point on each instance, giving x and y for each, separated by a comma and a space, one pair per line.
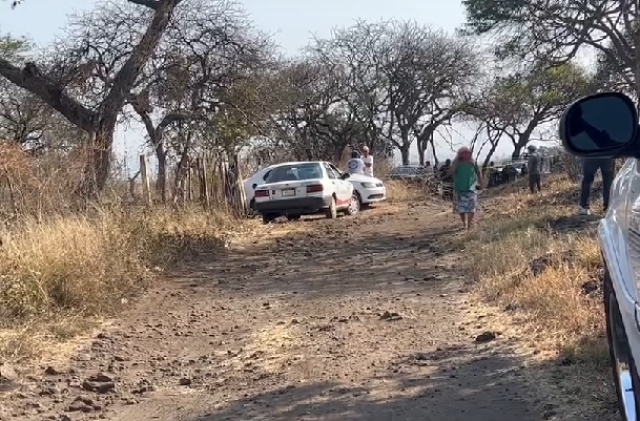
305, 188
369, 190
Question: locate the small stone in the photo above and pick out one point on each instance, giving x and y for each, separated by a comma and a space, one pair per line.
485, 337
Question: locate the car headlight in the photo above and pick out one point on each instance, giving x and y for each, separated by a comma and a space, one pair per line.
368, 185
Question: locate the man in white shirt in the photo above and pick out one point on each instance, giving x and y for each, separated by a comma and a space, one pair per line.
367, 158
355, 164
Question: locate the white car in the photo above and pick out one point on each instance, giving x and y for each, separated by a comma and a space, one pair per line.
370, 190
604, 126
259, 177
305, 188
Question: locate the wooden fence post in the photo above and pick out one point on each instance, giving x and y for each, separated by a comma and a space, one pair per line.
146, 190
187, 194
203, 183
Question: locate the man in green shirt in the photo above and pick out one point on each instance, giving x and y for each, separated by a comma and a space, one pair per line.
467, 179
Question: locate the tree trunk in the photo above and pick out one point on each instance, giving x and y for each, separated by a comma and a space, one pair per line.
422, 150
492, 150
102, 148
433, 149
425, 137
161, 181
404, 152
523, 140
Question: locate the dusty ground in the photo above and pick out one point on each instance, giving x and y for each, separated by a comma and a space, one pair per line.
359, 319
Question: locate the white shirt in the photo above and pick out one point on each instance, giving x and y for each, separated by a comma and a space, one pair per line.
355, 166
368, 165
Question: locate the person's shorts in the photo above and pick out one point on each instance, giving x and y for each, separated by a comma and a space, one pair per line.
466, 202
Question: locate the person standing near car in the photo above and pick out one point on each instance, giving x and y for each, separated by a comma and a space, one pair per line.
446, 180
355, 165
590, 167
534, 164
367, 158
467, 179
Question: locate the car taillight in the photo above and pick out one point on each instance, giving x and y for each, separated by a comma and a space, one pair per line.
315, 188
262, 193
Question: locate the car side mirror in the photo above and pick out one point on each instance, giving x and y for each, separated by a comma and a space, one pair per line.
254, 186
601, 125
345, 175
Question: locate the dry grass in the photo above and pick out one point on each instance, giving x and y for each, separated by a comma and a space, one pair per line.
61, 273
402, 191
532, 258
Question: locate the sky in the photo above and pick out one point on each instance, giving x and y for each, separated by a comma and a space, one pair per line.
292, 23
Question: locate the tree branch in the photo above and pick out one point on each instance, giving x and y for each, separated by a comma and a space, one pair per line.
126, 77
32, 80
151, 4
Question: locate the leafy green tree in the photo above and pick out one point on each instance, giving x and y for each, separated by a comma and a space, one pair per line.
518, 104
556, 30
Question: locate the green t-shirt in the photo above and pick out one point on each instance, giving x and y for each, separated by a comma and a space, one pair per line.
465, 177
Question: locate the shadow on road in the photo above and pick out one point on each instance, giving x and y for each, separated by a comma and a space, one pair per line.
334, 262
458, 384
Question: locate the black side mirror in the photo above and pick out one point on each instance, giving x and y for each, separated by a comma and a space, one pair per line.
601, 125
254, 186
345, 175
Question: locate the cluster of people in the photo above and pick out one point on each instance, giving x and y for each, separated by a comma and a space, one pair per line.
467, 179
462, 178
361, 164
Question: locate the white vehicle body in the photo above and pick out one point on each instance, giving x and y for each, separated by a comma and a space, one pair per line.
304, 188
599, 135
370, 189
258, 178
619, 239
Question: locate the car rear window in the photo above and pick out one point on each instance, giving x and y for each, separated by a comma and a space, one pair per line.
295, 172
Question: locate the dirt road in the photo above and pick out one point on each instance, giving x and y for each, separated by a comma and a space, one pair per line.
359, 319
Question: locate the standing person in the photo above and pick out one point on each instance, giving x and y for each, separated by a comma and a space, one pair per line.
367, 158
467, 178
534, 166
428, 169
355, 164
446, 180
590, 167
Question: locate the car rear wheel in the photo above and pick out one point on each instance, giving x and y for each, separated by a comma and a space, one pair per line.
332, 212
354, 205
624, 369
267, 219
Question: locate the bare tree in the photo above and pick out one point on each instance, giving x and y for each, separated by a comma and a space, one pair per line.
404, 79
350, 53
207, 47
313, 121
99, 120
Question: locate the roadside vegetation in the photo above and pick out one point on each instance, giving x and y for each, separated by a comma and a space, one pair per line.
63, 270
539, 264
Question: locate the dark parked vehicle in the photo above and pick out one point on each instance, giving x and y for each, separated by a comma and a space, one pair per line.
410, 173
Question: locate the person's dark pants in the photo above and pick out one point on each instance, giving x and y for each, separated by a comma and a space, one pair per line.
534, 182
589, 169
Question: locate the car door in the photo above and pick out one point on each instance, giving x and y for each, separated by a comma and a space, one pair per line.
336, 182
346, 188
624, 215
